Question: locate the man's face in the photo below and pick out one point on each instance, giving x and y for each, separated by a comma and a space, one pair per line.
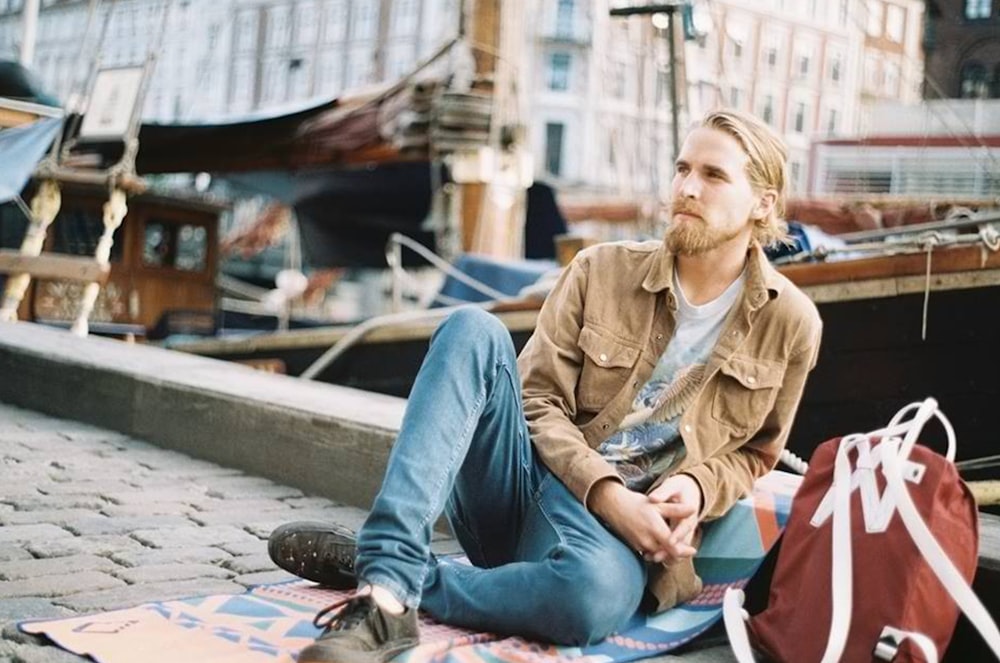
712, 199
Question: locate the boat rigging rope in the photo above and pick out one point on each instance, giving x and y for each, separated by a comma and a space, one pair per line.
392, 257
795, 462
930, 241
991, 239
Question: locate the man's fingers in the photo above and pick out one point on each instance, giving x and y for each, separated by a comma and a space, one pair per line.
682, 531
672, 552
675, 510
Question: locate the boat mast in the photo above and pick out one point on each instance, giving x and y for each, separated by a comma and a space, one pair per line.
490, 206
30, 23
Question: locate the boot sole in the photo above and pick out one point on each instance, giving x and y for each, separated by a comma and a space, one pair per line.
289, 546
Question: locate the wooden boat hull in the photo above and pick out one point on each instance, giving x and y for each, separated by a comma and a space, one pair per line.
874, 358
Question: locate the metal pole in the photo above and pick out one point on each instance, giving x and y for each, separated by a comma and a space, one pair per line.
668, 8
30, 24
673, 82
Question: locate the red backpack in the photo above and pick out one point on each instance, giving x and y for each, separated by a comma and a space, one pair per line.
855, 583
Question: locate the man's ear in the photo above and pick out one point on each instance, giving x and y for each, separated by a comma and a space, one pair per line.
768, 199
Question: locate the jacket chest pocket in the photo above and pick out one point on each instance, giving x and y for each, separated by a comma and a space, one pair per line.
746, 391
607, 365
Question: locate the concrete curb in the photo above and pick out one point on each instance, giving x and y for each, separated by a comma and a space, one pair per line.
323, 439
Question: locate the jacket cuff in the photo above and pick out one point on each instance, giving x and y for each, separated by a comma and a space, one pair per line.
587, 472
705, 479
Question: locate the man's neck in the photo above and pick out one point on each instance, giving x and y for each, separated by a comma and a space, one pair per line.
706, 276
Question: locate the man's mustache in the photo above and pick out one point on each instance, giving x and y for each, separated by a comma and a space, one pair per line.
685, 208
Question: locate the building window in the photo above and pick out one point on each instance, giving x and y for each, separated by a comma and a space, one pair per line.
836, 65
795, 172
404, 18
306, 24
553, 147
974, 83
335, 21
559, 66
831, 121
799, 122
977, 9
662, 86
874, 28
735, 97
364, 20
279, 27
246, 31
803, 66
737, 48
895, 23
767, 109
564, 18
843, 12
771, 57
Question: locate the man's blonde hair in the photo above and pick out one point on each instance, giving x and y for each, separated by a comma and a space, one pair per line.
766, 165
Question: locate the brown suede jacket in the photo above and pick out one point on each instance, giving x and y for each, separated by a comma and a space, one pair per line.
601, 332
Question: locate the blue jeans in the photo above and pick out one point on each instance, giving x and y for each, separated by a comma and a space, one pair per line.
543, 566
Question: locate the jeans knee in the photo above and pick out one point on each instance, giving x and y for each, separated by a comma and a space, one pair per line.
598, 600
473, 325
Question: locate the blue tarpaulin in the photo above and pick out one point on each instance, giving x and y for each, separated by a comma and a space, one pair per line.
21, 148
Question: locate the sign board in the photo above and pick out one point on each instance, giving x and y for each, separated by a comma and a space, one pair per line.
112, 103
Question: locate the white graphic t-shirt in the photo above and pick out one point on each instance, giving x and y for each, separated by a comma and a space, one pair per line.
647, 443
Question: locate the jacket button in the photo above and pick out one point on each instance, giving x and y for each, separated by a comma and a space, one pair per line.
687, 428
752, 380
603, 357
659, 337
604, 426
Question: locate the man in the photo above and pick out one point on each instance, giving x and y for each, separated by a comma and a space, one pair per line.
660, 382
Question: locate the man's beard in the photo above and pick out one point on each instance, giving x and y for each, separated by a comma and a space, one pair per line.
693, 236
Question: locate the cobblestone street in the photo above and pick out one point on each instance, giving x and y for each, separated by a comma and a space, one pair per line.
93, 520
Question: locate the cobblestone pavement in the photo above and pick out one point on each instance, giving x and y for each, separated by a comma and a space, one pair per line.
92, 520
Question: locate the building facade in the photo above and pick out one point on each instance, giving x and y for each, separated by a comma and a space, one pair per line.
962, 46
810, 69
232, 57
597, 89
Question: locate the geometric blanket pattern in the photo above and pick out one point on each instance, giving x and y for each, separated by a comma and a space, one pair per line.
271, 623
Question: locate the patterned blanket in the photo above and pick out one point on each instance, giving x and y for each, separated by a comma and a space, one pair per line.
271, 623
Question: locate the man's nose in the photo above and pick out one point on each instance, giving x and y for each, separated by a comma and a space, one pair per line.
689, 186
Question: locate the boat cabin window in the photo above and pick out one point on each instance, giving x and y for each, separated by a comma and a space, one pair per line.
12, 226
175, 245
77, 231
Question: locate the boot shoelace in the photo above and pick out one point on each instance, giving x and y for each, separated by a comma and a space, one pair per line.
344, 614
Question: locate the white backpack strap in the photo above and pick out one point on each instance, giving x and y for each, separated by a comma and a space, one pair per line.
841, 587
734, 617
936, 557
841, 576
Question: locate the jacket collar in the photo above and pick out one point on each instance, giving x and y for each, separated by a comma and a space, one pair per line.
763, 280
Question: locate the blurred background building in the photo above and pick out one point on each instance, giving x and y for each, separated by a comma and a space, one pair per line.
597, 88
